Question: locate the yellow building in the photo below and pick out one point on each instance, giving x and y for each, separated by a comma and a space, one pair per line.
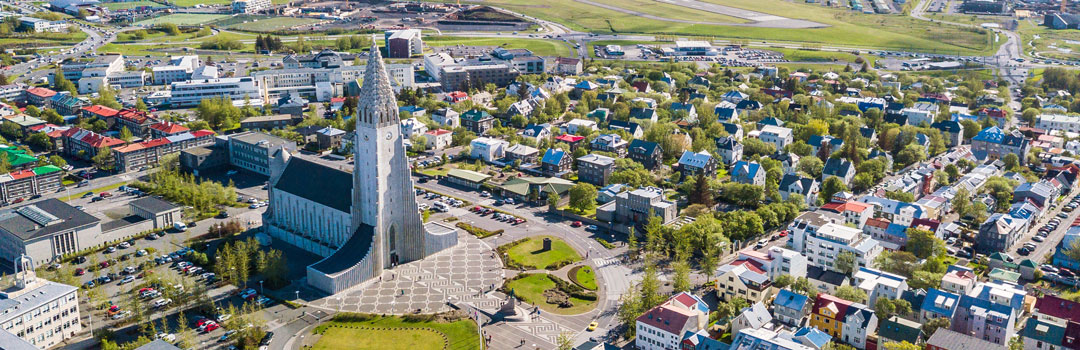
828, 314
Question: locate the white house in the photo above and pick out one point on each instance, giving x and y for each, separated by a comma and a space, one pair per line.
488, 149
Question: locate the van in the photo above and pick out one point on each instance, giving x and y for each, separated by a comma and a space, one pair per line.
179, 226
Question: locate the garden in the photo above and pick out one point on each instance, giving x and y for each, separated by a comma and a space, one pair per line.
355, 331
551, 293
529, 253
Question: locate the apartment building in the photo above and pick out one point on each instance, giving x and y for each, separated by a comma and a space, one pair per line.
191, 93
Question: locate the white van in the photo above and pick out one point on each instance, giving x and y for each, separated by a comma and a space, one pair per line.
179, 226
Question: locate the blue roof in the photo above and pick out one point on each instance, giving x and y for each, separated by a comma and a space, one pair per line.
735, 94
791, 300
743, 169
724, 113
697, 160
896, 230
702, 341
814, 335
1053, 333
553, 156
679, 106
816, 140
961, 117
411, 109
771, 121
749, 105
940, 302
992, 134
731, 128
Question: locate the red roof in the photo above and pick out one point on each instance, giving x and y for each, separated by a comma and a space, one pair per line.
458, 94
129, 148
155, 142
750, 265
877, 222
854, 206
41, 92
201, 133
824, 300
667, 318
438, 132
169, 127
1058, 307
337, 100
101, 110
134, 115
569, 138
22, 174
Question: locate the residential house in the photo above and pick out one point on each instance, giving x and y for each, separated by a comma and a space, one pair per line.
854, 213
85, 144
944, 339
734, 130
412, 127
938, 304
952, 130
839, 168
880, 284
595, 169
136, 121
573, 126
612, 143
743, 279
896, 329
958, 279
574, 141
990, 311
1041, 193
488, 149
725, 112
644, 113
777, 135
447, 117
920, 113
994, 143
439, 138
764, 339
824, 146
477, 121
647, 153
166, 129
66, 104
729, 149
635, 130
536, 132
823, 245
556, 162
998, 233
734, 96
750, 173
688, 108
662, 327
691, 163
790, 308
755, 316
824, 280
812, 338
804, 186
524, 154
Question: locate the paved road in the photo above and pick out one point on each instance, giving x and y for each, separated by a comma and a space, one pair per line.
95, 39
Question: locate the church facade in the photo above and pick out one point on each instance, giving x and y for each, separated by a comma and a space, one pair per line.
363, 221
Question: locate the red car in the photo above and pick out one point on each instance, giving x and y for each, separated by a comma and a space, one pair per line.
201, 322
104, 264
576, 224
105, 194
79, 272
17, 200
210, 327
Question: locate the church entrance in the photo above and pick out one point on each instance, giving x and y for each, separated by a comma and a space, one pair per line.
393, 259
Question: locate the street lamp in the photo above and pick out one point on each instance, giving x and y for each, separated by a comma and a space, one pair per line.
261, 290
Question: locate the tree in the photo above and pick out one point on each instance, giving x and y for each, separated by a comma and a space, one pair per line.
1073, 251
932, 326
803, 286
851, 293
565, 341
57, 161
39, 141
923, 243
632, 243
846, 263
812, 166
1012, 162
885, 307
783, 281
60, 83
961, 202
925, 279
106, 97
583, 197
900, 196
553, 201
898, 262
629, 310
125, 134
903, 345
104, 159
702, 193
650, 286
831, 186
681, 281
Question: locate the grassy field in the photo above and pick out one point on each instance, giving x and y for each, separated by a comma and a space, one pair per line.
269, 25
138, 50
189, 19
127, 5
43, 39
665, 10
190, 3
1060, 44
804, 55
346, 338
846, 28
586, 277
530, 253
531, 290
542, 47
461, 335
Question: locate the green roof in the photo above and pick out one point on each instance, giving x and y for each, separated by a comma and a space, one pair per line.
475, 115
1004, 275
46, 169
18, 157
468, 175
1028, 263
898, 329
520, 186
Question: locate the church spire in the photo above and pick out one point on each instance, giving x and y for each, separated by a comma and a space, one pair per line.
377, 105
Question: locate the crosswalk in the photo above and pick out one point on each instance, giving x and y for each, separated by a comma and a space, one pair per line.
601, 262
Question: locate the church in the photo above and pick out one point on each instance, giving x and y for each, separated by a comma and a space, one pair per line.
361, 221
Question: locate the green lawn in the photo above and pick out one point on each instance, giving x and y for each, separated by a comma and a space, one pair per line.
531, 290
190, 3
813, 55
128, 5
541, 47
461, 334
529, 254
273, 24
44, 39
189, 19
586, 277
665, 10
411, 339
137, 50
845, 27
1059, 44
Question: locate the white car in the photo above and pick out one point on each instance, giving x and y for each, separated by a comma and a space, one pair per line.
169, 337
162, 302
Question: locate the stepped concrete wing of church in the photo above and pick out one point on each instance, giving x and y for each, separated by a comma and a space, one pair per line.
363, 221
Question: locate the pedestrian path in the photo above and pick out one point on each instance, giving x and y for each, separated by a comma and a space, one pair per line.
603, 262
